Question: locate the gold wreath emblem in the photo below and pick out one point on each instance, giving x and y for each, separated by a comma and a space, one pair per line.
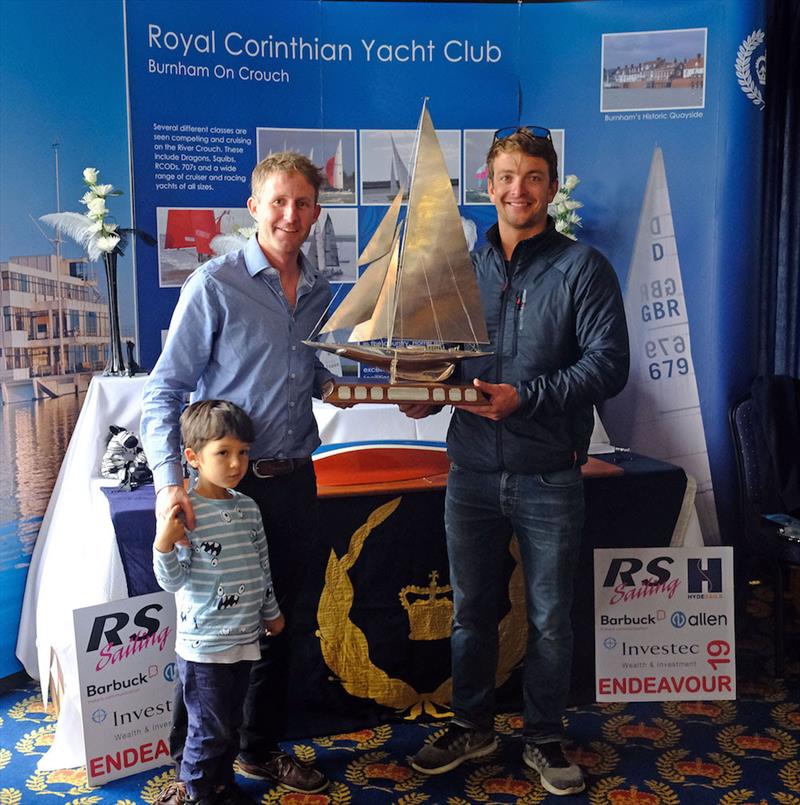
335, 794
790, 775
375, 766
610, 790
623, 729
61, 782
32, 706
346, 650
717, 712
599, 759
787, 715
359, 741
38, 741
718, 771
486, 785
735, 740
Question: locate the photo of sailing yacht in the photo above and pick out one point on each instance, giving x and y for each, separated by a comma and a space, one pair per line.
331, 244
187, 237
334, 151
385, 159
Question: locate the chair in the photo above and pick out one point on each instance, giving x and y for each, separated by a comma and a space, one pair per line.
758, 495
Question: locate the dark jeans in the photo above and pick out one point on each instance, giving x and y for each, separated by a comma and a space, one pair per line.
288, 505
214, 694
545, 512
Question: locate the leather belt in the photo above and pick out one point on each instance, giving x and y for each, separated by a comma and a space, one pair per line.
270, 467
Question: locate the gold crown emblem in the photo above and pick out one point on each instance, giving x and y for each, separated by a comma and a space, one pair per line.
430, 612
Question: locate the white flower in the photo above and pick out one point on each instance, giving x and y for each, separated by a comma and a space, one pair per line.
97, 208
90, 175
87, 197
103, 190
571, 182
562, 207
107, 243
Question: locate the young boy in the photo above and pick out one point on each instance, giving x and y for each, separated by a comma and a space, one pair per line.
220, 572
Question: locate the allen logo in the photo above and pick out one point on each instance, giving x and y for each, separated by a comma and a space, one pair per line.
430, 612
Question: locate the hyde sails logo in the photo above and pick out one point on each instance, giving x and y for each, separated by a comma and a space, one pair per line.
751, 73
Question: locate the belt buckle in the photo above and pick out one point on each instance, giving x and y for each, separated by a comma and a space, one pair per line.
281, 467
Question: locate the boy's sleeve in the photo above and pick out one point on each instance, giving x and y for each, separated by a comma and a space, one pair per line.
171, 569
269, 606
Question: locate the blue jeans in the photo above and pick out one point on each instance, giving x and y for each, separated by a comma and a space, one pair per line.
214, 695
545, 512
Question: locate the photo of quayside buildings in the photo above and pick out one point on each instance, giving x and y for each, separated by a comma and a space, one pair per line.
655, 84
54, 332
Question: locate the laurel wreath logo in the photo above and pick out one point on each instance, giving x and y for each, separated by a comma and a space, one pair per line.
743, 71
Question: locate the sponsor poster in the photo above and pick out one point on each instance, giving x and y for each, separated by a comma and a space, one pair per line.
126, 671
664, 624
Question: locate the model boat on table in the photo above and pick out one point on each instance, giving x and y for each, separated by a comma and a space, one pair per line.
416, 310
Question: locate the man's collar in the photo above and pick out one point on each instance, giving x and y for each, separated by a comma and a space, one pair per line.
256, 261
493, 236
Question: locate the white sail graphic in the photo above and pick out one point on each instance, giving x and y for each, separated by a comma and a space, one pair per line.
658, 414
323, 252
399, 171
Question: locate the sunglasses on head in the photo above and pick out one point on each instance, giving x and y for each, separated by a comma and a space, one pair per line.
535, 131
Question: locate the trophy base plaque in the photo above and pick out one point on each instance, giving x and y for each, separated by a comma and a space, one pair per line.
366, 391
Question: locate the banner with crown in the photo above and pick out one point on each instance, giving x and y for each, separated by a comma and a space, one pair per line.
377, 635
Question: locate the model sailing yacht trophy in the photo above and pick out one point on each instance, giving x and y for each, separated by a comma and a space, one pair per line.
416, 311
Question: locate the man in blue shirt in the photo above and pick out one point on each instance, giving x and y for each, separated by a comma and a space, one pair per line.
236, 334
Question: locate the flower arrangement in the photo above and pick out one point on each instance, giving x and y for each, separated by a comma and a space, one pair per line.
100, 237
563, 207
92, 230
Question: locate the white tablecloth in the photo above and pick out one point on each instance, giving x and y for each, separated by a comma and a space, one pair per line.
76, 562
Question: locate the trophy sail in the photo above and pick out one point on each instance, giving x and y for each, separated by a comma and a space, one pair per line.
416, 311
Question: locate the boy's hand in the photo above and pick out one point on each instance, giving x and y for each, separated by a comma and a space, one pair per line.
175, 495
274, 626
170, 530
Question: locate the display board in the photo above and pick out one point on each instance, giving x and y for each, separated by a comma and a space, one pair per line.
126, 670
664, 624
214, 91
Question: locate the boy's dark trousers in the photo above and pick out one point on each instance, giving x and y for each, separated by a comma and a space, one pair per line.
214, 696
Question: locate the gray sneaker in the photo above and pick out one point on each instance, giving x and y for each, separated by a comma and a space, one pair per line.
455, 745
558, 775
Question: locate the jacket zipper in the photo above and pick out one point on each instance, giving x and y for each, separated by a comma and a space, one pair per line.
506, 293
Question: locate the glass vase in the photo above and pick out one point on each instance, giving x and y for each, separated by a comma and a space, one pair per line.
115, 365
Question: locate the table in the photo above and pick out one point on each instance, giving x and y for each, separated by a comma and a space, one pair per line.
77, 561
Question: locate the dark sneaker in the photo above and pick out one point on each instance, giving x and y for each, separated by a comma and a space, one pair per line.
173, 793
287, 771
455, 745
558, 775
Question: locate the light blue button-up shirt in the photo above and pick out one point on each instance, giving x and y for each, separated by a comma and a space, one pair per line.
234, 337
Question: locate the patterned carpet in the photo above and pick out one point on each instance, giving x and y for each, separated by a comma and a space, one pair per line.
725, 753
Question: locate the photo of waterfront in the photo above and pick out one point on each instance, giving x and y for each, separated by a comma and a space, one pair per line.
646, 70
33, 440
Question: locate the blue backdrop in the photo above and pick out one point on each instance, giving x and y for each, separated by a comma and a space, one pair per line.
366, 66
